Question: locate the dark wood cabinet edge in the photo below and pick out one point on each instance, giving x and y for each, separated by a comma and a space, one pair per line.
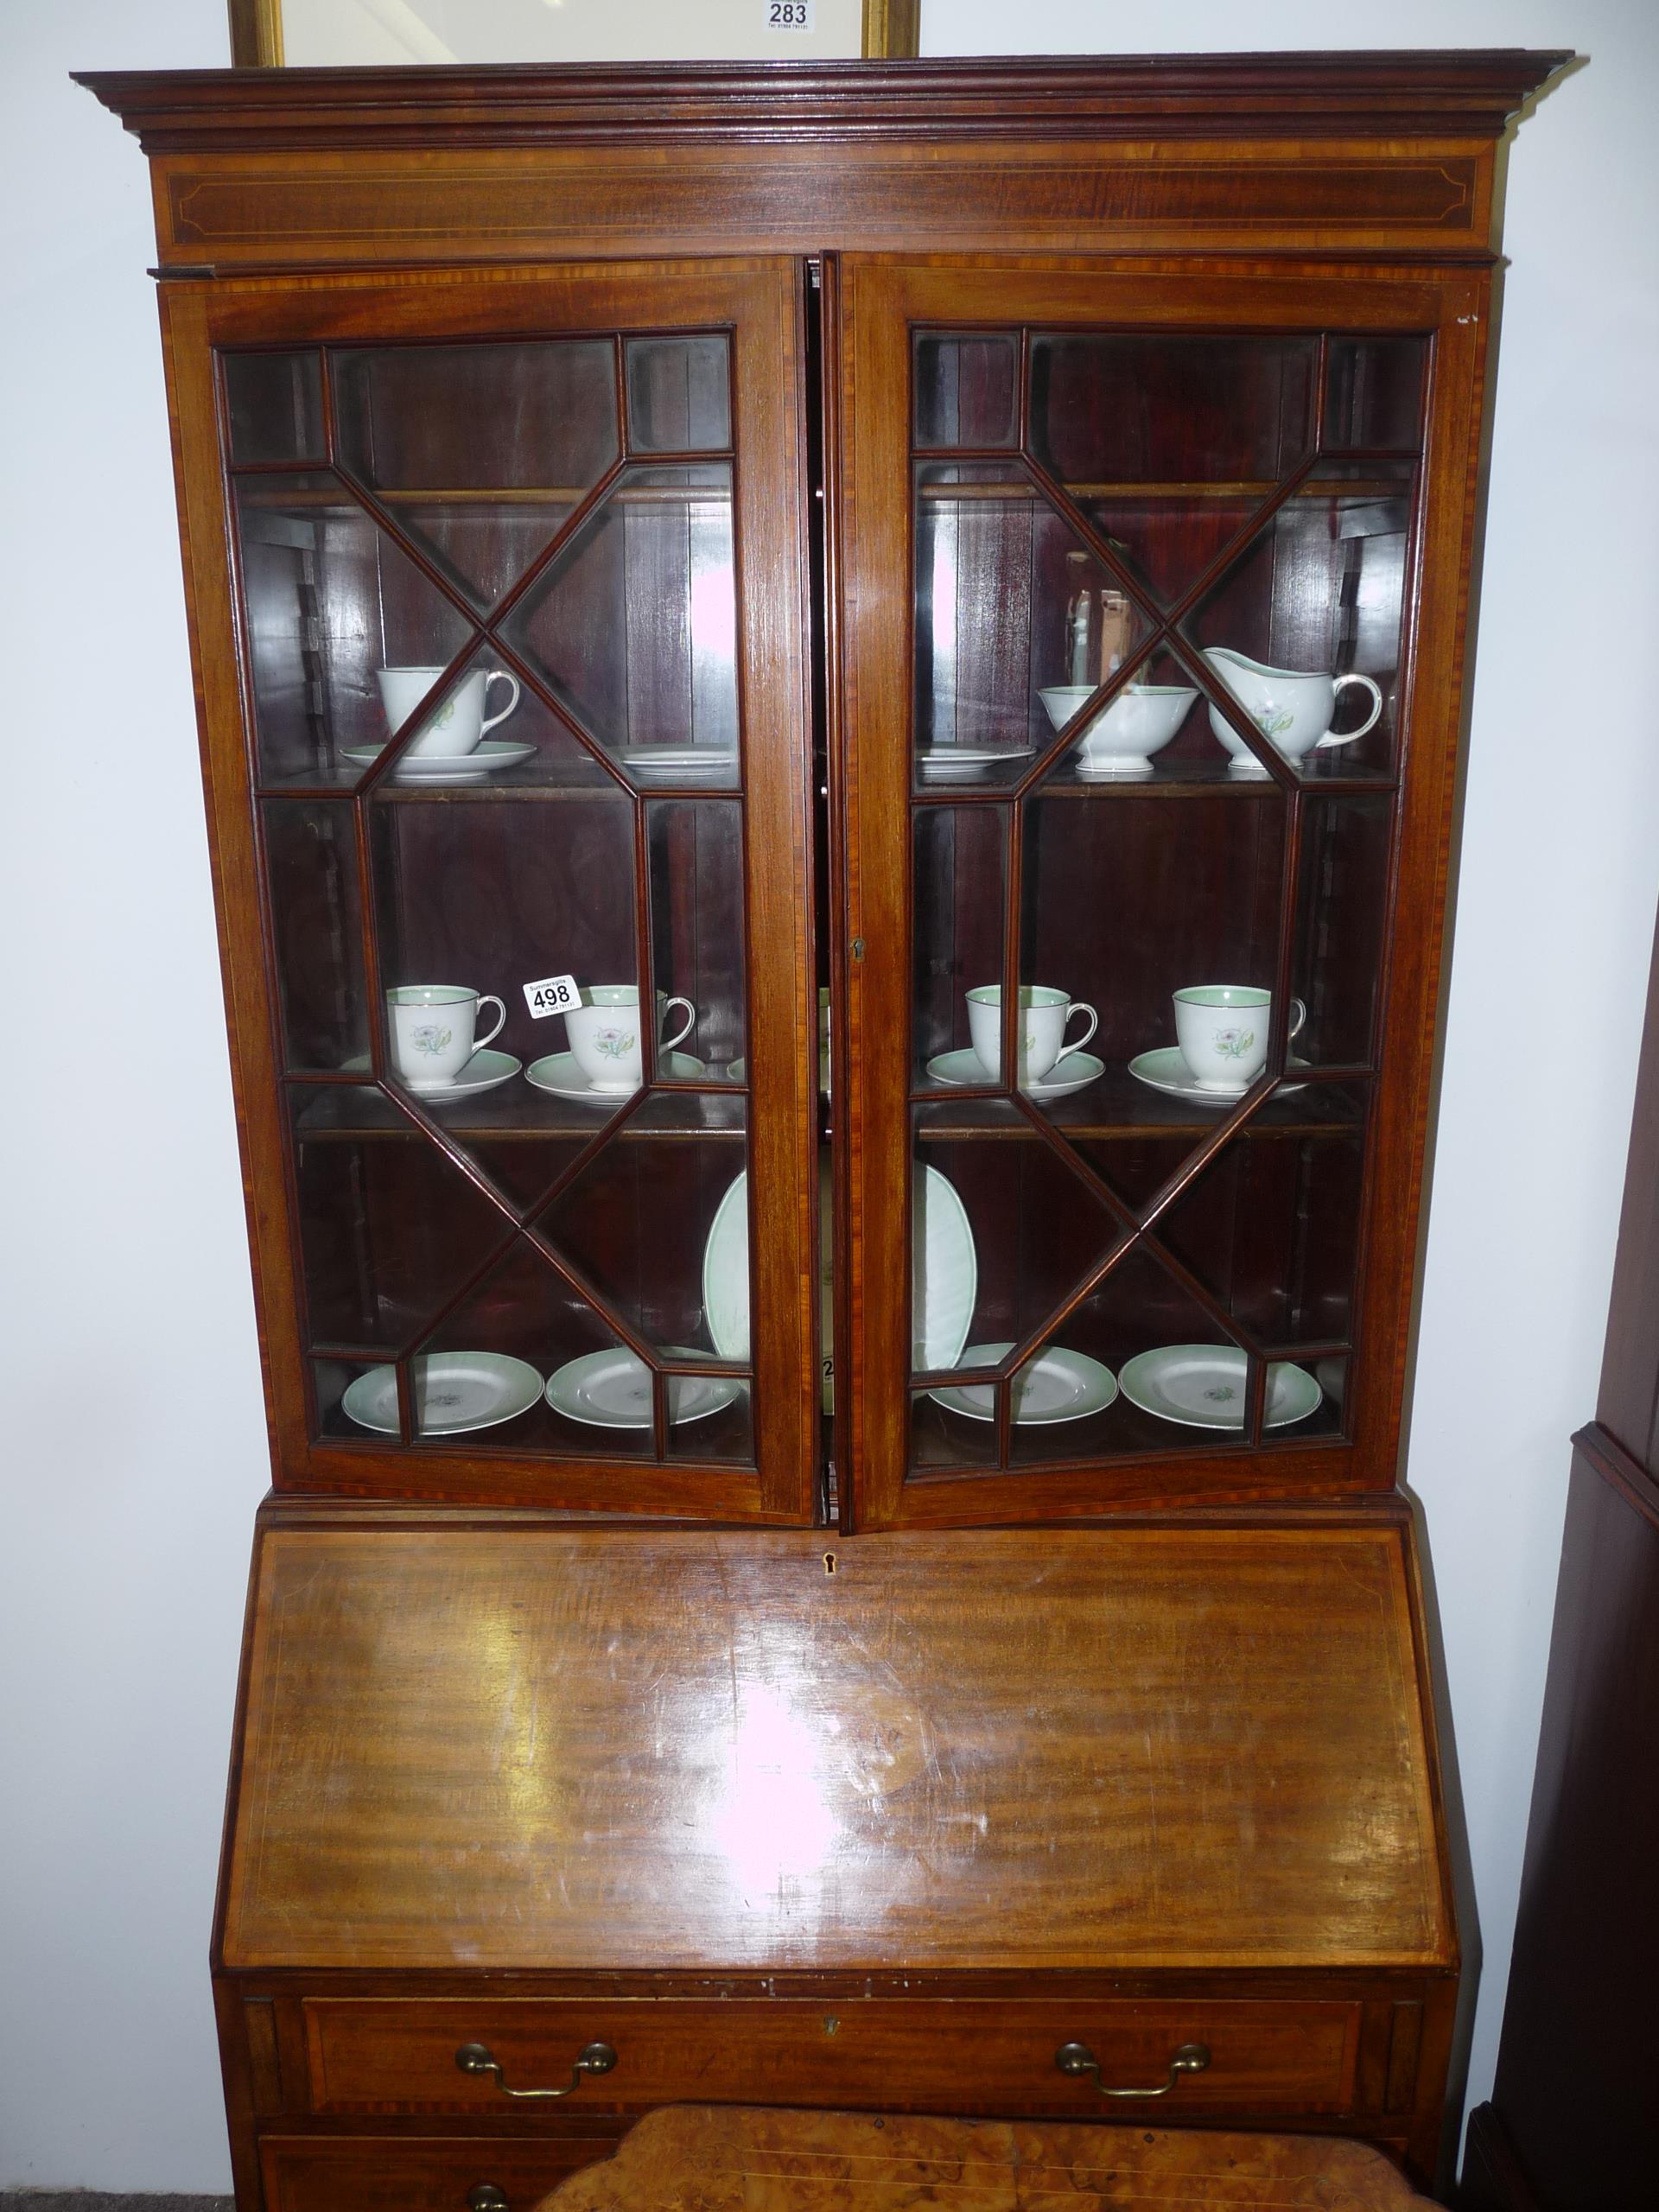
1319, 1982
1379, 95
289, 1510
1494, 2179
1603, 1452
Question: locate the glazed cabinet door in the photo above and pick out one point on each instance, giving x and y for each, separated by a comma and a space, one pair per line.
499, 588
1154, 580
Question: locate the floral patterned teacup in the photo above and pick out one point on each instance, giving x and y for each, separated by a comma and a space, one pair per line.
433, 1031
1293, 711
1222, 1029
457, 722
604, 1034
1046, 1013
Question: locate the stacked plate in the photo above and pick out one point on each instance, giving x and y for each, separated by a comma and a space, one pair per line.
477, 766
680, 763
944, 1275
966, 764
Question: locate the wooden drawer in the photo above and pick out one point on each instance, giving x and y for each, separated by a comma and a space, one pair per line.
404, 2173
369, 2054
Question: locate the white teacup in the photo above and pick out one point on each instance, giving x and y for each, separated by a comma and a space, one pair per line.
1222, 1029
1121, 738
604, 1034
1045, 1015
1291, 711
434, 1031
456, 725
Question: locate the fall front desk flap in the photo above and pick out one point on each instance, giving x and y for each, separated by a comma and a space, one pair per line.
554, 1749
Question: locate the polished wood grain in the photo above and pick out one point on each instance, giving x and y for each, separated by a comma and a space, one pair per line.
1385, 153
391, 2173
1265, 2054
526, 1749
1384, 95
706, 2159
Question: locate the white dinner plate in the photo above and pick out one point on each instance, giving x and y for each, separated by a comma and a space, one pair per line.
1055, 1385
454, 1391
944, 1275
612, 1389
1073, 1071
561, 1073
475, 767
1166, 1071
961, 763
1203, 1386
678, 764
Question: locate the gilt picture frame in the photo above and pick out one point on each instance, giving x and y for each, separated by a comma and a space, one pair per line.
278, 34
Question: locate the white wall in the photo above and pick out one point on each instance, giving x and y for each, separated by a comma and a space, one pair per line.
133, 1452
136, 1446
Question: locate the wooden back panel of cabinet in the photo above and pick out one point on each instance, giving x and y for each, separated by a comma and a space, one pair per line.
541, 1749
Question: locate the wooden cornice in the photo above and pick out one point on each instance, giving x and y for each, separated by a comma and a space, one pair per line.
1324, 95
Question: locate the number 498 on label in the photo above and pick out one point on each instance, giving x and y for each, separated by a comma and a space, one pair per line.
787, 15
553, 995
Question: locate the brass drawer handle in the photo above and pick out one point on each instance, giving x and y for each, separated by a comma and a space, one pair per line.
1077, 2060
487, 2197
476, 2058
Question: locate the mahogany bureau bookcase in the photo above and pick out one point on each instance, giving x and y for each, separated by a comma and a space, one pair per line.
838, 1546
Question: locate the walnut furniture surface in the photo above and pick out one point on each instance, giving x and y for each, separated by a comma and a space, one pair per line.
860, 1742
709, 2159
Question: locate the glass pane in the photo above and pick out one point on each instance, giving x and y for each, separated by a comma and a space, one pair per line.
1017, 622
633, 626
1304, 632
1179, 1377
639, 1223
1374, 393
475, 730
538, 1365
330, 601
1341, 916
330, 1380
711, 1417
1004, 1232
482, 899
390, 1228
316, 928
679, 394
1146, 409
480, 450
1271, 1228
1129, 897
958, 926
967, 388
696, 930
274, 402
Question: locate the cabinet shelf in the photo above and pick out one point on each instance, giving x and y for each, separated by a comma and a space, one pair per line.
562, 496
1027, 493
1119, 1107
1175, 779
498, 787
518, 1113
